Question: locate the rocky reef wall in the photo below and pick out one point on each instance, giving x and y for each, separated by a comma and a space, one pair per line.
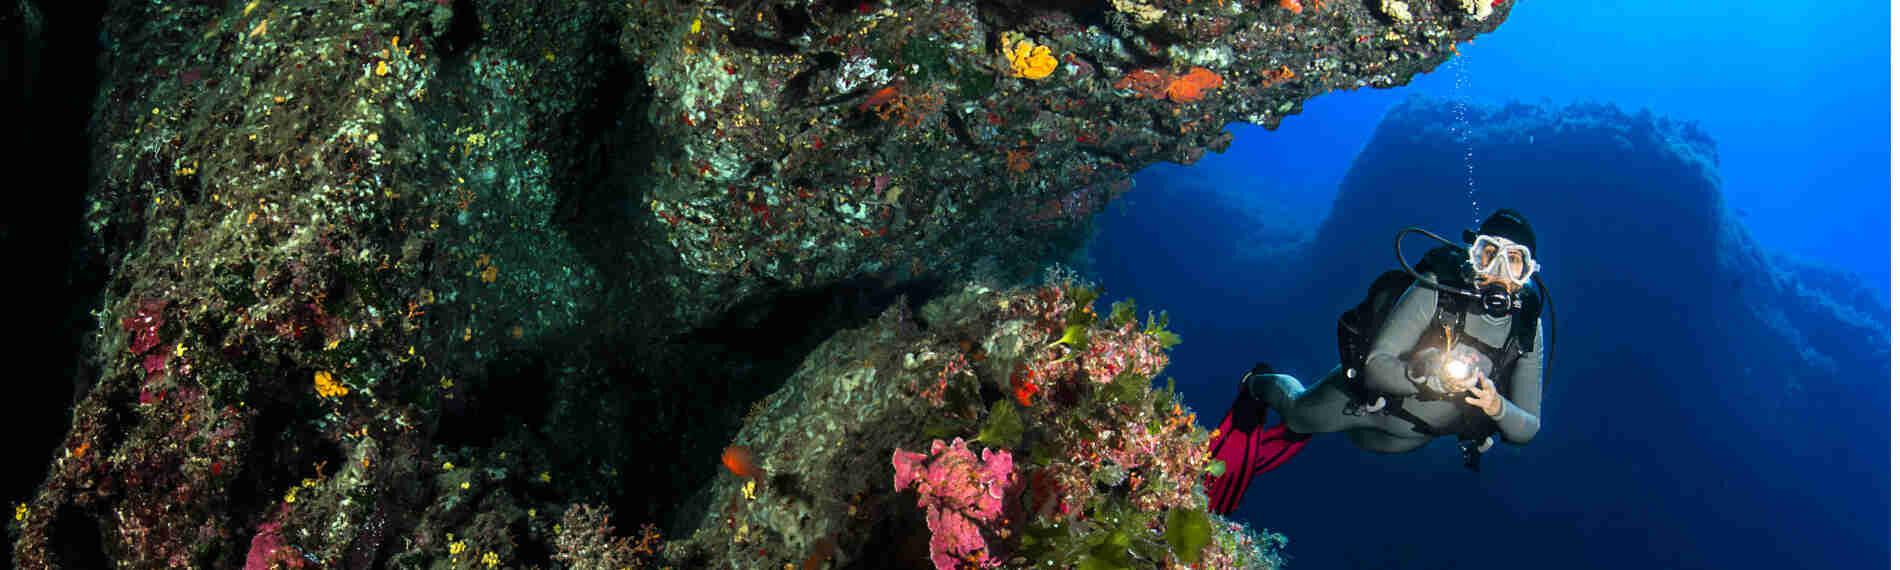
393, 282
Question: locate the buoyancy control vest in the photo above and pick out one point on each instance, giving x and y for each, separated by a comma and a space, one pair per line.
1358, 326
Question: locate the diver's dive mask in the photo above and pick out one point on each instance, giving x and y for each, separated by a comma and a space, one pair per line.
1488, 255
1502, 259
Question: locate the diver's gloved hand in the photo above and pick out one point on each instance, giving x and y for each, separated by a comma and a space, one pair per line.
1485, 397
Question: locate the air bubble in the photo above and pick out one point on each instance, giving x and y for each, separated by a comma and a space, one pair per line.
1463, 130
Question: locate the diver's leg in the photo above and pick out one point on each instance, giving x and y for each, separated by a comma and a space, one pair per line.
1319, 409
1383, 441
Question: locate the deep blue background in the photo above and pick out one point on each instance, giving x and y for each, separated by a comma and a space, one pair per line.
1796, 95
1656, 455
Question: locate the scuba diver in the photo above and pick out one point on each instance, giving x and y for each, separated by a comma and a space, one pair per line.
1452, 346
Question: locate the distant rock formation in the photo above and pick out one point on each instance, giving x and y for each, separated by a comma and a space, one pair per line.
1626, 206
1726, 385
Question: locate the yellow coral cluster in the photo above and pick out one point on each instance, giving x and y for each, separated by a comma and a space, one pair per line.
1026, 59
328, 387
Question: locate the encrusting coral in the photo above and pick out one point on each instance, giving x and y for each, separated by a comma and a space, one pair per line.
1026, 58
1162, 84
1189, 87
1038, 438
959, 494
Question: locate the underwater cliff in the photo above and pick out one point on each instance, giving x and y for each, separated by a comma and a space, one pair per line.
1709, 403
443, 283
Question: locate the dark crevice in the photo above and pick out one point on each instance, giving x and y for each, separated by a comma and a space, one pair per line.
77, 541
188, 187
838, 7
1100, 151
760, 169
465, 29
1090, 60
1139, 59
615, 147
846, 304
115, 420
251, 486
715, 373
792, 22
900, 540
52, 70
759, 43
961, 131
264, 471
515, 392
1089, 14
798, 88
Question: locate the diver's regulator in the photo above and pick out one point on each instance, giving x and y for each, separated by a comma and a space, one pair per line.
1497, 301
1494, 299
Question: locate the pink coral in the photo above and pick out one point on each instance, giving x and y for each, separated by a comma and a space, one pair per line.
154, 365
144, 323
1123, 350
269, 551
959, 493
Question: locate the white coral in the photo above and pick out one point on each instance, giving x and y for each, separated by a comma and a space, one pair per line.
1212, 57
1144, 13
1477, 9
1397, 10
858, 72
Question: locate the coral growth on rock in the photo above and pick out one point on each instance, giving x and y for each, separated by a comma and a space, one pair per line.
960, 495
388, 283
1078, 449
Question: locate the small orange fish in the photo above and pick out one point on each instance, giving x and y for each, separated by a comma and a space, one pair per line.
1293, 5
1025, 391
879, 98
738, 460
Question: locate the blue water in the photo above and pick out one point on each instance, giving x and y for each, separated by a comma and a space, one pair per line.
1796, 97
1667, 454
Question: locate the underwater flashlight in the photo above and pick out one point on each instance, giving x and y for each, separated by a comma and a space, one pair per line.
1456, 368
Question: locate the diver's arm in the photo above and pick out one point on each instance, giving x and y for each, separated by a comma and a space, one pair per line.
1385, 371
1520, 420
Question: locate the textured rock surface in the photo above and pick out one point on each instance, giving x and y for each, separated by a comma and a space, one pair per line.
802, 142
1095, 460
286, 196
388, 282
